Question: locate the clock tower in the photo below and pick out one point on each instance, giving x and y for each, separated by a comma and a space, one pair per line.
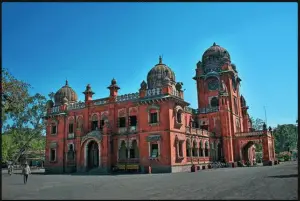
219, 108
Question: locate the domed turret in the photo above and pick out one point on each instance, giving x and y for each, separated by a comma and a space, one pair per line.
159, 74
215, 51
65, 92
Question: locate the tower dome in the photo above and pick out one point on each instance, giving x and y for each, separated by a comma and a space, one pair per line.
160, 74
215, 51
213, 58
65, 93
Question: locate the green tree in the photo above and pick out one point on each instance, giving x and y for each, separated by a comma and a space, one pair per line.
257, 124
13, 94
286, 137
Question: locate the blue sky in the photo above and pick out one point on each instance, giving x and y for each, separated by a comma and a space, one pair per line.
91, 43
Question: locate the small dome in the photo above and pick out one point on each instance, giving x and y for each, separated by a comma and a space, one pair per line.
215, 51
65, 92
158, 74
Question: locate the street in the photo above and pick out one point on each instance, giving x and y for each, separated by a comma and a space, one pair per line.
275, 182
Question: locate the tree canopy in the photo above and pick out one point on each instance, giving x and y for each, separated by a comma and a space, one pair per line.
25, 128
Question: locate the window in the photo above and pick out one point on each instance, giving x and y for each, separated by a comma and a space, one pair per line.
101, 124
133, 120
52, 155
153, 118
178, 116
154, 150
180, 151
235, 105
71, 128
188, 150
214, 102
132, 153
122, 122
94, 125
53, 129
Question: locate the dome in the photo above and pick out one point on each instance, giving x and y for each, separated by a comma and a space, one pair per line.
65, 92
215, 51
159, 75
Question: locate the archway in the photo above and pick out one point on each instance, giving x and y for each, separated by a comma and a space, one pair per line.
92, 155
251, 153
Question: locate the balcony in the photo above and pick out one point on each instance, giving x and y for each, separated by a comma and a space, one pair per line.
132, 129
208, 110
122, 130
71, 136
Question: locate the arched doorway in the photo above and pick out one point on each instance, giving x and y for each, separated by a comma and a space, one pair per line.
252, 152
92, 155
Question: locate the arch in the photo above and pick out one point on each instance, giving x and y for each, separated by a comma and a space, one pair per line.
122, 152
85, 144
206, 150
195, 149
134, 149
248, 152
188, 147
201, 148
93, 156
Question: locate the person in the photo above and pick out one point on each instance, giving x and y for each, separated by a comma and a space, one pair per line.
26, 171
10, 169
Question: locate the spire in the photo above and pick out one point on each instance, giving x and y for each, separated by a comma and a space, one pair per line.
214, 44
160, 59
67, 82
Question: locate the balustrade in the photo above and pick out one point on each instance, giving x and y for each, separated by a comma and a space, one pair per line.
127, 97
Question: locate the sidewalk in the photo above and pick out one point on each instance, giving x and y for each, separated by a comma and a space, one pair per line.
19, 171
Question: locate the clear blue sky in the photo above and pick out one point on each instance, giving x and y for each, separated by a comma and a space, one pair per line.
90, 43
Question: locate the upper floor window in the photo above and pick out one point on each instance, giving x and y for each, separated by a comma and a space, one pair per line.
153, 118
53, 128
122, 122
235, 105
102, 122
133, 120
71, 128
214, 102
94, 122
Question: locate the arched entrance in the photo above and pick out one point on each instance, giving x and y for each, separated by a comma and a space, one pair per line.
249, 152
92, 155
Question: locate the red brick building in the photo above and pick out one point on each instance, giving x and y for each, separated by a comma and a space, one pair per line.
154, 126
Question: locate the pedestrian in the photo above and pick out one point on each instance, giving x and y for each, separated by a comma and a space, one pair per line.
26, 171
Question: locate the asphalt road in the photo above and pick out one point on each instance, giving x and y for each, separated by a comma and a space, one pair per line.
276, 182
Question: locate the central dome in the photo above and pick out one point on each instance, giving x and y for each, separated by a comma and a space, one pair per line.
65, 95
215, 52
160, 74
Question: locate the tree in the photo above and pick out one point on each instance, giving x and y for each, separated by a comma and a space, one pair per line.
286, 137
13, 93
26, 114
257, 124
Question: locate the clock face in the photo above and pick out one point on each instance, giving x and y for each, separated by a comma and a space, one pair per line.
213, 85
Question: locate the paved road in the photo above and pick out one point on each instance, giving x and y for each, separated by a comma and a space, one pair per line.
276, 182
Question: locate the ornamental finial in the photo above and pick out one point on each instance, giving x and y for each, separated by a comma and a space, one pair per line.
160, 59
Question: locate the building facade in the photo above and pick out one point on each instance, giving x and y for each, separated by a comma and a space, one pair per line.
154, 127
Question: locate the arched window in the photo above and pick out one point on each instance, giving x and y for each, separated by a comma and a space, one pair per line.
206, 149
188, 148
94, 122
214, 102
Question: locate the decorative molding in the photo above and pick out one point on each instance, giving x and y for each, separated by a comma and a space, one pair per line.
94, 135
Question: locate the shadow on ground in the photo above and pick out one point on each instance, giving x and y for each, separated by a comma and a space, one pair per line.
284, 176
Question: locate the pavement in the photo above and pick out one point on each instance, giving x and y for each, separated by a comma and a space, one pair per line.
267, 182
